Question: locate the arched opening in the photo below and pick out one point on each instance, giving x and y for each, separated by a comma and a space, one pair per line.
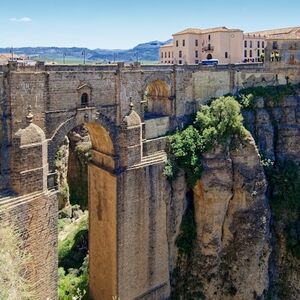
209, 56
84, 100
87, 216
157, 99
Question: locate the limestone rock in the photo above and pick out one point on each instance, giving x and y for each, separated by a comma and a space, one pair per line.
61, 163
232, 214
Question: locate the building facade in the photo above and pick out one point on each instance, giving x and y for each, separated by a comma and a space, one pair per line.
229, 46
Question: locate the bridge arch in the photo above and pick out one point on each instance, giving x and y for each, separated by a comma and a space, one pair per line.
102, 196
92, 120
157, 98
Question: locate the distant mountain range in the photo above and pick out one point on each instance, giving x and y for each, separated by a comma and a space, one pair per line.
142, 52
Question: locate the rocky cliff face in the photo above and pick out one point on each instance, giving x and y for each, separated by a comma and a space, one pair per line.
231, 251
240, 249
275, 126
71, 165
61, 163
80, 145
276, 129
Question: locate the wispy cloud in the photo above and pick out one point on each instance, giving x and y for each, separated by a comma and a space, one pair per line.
23, 19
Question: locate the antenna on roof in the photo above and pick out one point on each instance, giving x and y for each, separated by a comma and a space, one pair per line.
12, 53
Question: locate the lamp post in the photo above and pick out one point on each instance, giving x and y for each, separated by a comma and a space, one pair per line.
83, 53
12, 53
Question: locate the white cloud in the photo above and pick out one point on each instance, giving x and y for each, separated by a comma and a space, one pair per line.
23, 19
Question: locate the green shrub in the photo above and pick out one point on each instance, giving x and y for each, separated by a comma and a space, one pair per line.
276, 94
73, 262
214, 124
74, 284
72, 250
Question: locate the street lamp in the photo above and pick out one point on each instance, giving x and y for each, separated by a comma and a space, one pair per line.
83, 53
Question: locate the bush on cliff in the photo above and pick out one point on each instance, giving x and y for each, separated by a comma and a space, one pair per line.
214, 124
275, 94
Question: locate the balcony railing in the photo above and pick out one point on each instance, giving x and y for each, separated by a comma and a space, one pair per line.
208, 48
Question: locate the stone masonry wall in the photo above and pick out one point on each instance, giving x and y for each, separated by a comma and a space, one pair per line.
142, 234
35, 215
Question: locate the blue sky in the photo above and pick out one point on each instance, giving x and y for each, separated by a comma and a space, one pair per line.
118, 24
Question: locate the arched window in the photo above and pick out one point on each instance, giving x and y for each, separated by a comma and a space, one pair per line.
84, 100
209, 56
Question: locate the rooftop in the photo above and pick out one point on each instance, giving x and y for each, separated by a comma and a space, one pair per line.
277, 32
207, 30
167, 45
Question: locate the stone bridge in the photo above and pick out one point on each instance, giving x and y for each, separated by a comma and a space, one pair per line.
128, 111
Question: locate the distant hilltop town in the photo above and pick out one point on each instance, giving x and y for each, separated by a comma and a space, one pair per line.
227, 46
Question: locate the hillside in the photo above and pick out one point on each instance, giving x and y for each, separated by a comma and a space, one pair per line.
143, 52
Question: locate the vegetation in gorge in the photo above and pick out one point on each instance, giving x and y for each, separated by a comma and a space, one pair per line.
276, 94
215, 124
73, 260
13, 260
184, 284
188, 233
284, 182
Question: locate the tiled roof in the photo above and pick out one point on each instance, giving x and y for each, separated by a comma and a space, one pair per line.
289, 36
9, 56
167, 45
189, 30
204, 31
279, 31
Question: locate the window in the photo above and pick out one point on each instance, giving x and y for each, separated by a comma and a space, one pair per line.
258, 44
183, 43
263, 44
196, 43
209, 37
165, 54
275, 45
180, 62
196, 53
245, 53
208, 47
245, 44
226, 54
258, 53
177, 43
162, 55
84, 100
250, 53
169, 54
250, 44
180, 53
